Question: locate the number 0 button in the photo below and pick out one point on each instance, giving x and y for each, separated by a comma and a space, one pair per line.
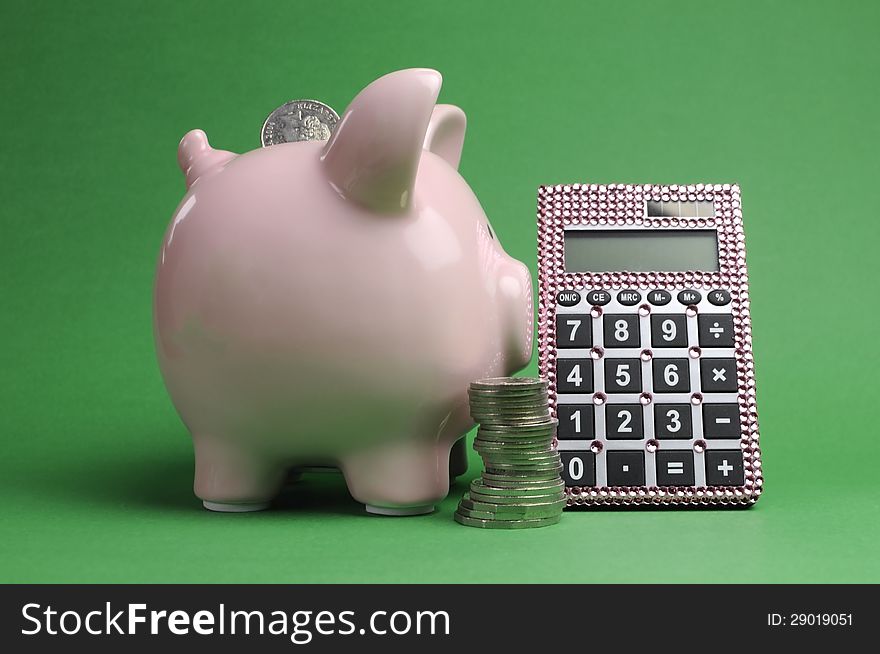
574, 375
671, 376
623, 375
578, 468
621, 330
574, 330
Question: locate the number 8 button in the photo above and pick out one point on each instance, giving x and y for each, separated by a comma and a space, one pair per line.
621, 330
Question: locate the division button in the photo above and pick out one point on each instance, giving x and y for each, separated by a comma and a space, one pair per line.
599, 298
675, 468
689, 297
659, 297
578, 468
719, 297
718, 375
568, 298
629, 298
625, 468
724, 468
721, 421
574, 330
715, 329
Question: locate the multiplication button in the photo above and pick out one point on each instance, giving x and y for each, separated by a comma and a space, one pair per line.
574, 330
574, 375
715, 329
718, 375
724, 468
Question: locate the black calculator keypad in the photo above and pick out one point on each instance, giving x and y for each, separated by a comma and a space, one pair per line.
669, 330
574, 330
664, 375
574, 375
622, 330
576, 421
623, 376
671, 376
624, 421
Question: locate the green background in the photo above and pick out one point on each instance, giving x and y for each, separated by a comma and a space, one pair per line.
96, 467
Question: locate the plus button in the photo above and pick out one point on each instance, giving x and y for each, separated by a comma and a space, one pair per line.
725, 468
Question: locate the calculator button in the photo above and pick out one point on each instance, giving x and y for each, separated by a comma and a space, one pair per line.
624, 421
718, 375
719, 297
623, 375
574, 375
724, 468
672, 421
599, 298
621, 330
659, 297
574, 330
671, 376
675, 468
568, 298
721, 421
575, 421
715, 329
689, 297
578, 468
629, 298
668, 330
625, 468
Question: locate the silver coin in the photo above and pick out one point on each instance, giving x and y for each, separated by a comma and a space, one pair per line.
505, 516
487, 511
299, 120
506, 524
477, 486
533, 477
516, 499
512, 383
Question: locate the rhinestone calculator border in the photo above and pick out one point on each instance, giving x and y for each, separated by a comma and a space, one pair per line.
625, 205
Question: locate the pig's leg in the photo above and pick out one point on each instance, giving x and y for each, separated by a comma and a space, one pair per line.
233, 478
400, 478
458, 458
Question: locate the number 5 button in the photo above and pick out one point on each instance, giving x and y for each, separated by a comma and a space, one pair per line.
623, 375
574, 375
574, 330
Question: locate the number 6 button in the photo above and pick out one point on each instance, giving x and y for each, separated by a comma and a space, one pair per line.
574, 330
671, 376
574, 375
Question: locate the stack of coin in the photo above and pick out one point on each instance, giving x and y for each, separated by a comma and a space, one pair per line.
520, 486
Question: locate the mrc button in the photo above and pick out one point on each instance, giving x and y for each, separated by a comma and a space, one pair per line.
629, 298
659, 297
599, 297
568, 298
689, 297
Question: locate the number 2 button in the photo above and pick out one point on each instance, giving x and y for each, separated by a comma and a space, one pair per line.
623, 375
574, 375
621, 330
574, 330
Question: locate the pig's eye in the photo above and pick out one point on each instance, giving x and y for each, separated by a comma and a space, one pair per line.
491, 233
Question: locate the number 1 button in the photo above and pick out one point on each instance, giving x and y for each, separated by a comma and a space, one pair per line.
574, 330
574, 375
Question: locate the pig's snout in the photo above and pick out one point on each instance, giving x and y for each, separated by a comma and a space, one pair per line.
515, 300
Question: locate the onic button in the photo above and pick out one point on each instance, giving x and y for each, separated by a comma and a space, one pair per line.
568, 298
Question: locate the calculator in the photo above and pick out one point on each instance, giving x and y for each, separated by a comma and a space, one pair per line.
644, 337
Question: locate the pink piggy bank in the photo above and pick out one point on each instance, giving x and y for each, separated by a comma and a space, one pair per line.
327, 303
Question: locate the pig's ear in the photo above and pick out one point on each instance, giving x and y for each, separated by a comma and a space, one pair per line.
373, 155
445, 136
197, 158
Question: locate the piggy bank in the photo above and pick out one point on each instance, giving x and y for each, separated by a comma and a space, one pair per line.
326, 303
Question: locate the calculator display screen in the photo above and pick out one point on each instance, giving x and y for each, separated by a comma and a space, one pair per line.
667, 250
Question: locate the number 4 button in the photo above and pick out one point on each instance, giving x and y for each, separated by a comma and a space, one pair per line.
574, 375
